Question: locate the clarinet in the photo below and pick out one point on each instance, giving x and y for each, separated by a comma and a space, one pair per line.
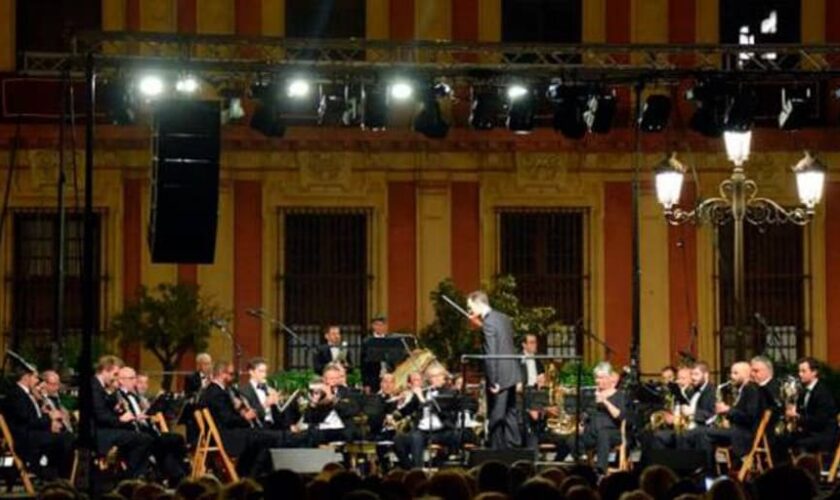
124, 404
237, 397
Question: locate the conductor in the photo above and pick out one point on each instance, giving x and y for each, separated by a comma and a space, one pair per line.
502, 374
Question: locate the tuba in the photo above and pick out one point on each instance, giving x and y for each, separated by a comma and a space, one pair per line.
563, 424
789, 394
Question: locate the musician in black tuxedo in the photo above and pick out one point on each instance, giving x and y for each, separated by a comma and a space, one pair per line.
332, 406
372, 370
770, 390
241, 435
433, 415
332, 351
168, 448
502, 375
744, 416
113, 424
200, 378
266, 403
35, 431
815, 412
51, 388
701, 408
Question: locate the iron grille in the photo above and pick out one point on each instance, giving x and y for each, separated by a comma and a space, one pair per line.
776, 293
325, 277
545, 251
33, 281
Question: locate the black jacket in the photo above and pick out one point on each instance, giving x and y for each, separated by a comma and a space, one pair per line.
323, 357
22, 416
498, 339
746, 412
539, 365
192, 384
220, 404
105, 415
448, 415
820, 416
705, 408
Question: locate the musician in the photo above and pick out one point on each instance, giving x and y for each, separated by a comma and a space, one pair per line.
668, 375
36, 431
266, 403
141, 390
51, 388
533, 372
680, 395
502, 375
331, 409
603, 428
200, 379
373, 370
433, 413
234, 419
333, 351
168, 448
701, 408
114, 424
761, 369
385, 403
815, 412
744, 415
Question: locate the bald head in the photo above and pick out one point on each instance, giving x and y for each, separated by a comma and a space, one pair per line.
740, 373
127, 378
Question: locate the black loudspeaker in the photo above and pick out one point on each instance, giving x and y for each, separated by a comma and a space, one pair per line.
683, 462
508, 457
185, 181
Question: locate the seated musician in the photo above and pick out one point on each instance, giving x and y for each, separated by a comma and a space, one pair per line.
602, 431
51, 388
114, 425
201, 378
386, 401
744, 416
668, 375
433, 415
141, 390
331, 409
266, 403
241, 436
701, 408
676, 413
814, 414
36, 428
168, 448
333, 351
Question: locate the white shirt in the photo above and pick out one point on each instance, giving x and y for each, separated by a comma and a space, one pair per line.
262, 396
808, 390
531, 371
332, 422
335, 351
31, 398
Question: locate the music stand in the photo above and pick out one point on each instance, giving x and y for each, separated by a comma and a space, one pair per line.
389, 350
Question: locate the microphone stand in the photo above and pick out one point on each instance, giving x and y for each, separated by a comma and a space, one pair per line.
771, 333
261, 314
238, 352
609, 351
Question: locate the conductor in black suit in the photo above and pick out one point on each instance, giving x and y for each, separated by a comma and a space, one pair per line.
815, 412
333, 351
35, 431
502, 375
744, 416
114, 425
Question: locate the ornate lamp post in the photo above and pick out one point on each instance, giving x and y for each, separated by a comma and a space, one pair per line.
739, 202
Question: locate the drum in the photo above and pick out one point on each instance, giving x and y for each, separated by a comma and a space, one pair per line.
419, 360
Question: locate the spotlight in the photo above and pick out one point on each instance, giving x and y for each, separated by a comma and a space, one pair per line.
485, 108
151, 85
521, 103
710, 101
655, 113
401, 91
339, 107
516, 91
119, 105
740, 112
267, 118
429, 120
187, 84
568, 110
298, 88
374, 108
795, 107
600, 112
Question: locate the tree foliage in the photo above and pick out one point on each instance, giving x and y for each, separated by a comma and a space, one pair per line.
169, 321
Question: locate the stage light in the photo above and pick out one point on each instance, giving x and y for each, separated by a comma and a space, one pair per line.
710, 103
521, 104
118, 103
655, 114
267, 118
795, 107
429, 120
516, 91
339, 106
600, 112
151, 85
740, 112
186, 84
401, 91
568, 110
298, 88
485, 109
374, 108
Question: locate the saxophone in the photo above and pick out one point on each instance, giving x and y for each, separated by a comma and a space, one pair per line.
563, 424
721, 422
657, 418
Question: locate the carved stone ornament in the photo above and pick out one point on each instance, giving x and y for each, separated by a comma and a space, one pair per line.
43, 167
541, 169
324, 169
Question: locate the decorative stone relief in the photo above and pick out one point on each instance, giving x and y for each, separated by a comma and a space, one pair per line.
325, 169
43, 167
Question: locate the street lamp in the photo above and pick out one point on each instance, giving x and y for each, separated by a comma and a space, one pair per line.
739, 202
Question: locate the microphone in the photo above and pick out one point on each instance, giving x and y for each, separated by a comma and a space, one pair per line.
257, 313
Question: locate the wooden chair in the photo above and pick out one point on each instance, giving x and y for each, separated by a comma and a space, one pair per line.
7, 450
213, 444
835, 466
159, 421
760, 450
622, 463
199, 458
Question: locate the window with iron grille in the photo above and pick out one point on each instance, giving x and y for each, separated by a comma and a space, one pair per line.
545, 251
324, 278
325, 18
33, 280
777, 286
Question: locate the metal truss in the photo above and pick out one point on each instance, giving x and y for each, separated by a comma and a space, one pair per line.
330, 58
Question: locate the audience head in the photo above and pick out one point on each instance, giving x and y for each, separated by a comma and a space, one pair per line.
344, 482
537, 488
284, 483
657, 481
570, 482
190, 490
616, 484
148, 491
448, 485
244, 489
555, 475
636, 495
493, 476
785, 482
726, 489
414, 479
582, 493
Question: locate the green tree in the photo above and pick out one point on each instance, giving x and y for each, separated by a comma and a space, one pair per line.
170, 321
